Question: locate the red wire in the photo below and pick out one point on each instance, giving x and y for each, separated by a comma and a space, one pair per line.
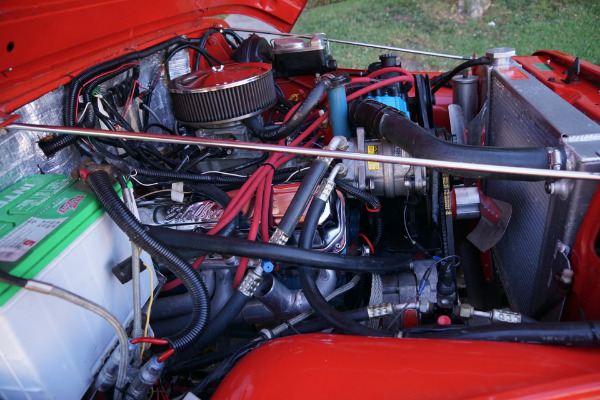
368, 243
266, 208
390, 69
129, 100
141, 87
101, 75
258, 205
164, 356
150, 340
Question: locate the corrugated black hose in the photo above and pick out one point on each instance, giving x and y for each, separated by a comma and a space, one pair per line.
100, 184
372, 202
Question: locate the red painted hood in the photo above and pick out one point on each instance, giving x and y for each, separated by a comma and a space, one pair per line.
45, 42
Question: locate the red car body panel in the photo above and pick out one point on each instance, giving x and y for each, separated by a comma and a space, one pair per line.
350, 367
45, 43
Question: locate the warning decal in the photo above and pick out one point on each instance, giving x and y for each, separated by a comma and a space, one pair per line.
24, 237
372, 150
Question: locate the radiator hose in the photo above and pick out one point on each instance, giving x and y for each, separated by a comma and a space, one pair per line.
395, 127
100, 184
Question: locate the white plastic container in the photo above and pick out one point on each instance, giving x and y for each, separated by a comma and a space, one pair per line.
51, 349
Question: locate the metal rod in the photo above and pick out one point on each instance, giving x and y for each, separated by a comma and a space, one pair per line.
232, 144
375, 46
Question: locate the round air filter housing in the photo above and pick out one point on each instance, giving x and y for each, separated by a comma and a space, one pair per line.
213, 96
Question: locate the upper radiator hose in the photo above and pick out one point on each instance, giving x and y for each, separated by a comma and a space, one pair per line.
395, 127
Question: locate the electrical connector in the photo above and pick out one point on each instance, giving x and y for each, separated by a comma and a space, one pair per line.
107, 377
143, 381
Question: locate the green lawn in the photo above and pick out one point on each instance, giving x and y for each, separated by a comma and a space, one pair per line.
434, 25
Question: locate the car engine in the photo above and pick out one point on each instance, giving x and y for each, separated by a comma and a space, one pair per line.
243, 190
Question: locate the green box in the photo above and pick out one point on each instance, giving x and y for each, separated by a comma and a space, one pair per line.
39, 217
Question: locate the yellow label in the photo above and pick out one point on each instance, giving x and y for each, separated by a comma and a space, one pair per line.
372, 150
447, 201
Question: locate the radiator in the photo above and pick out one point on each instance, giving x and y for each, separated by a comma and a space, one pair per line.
525, 113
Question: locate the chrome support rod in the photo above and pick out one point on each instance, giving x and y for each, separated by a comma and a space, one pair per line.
232, 144
374, 46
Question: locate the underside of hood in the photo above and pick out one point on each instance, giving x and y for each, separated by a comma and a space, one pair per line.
44, 44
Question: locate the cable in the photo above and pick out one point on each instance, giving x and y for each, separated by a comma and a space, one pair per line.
149, 309
441, 80
258, 204
151, 340
49, 289
151, 111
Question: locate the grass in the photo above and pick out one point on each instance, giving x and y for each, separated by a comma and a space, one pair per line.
434, 25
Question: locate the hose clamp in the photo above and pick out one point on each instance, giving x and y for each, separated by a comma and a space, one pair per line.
250, 283
380, 310
506, 316
337, 143
279, 237
38, 286
325, 189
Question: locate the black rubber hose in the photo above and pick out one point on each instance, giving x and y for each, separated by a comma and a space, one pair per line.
230, 310
373, 203
310, 288
100, 184
279, 176
395, 127
283, 254
319, 324
218, 195
444, 78
585, 333
303, 195
289, 127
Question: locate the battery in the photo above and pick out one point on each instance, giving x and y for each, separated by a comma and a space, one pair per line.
52, 228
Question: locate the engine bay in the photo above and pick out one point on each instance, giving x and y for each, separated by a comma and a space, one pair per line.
244, 190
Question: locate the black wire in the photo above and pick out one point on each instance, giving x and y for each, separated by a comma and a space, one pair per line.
157, 125
441, 80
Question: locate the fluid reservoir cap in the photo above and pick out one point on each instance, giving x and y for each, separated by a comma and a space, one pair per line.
500, 56
267, 266
295, 45
210, 79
